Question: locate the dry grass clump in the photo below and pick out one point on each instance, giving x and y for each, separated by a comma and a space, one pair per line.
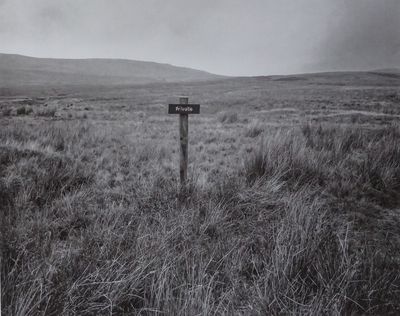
346, 162
21, 110
356, 173
7, 111
254, 129
47, 112
228, 117
307, 227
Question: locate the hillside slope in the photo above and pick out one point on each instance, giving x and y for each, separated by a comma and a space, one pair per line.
17, 70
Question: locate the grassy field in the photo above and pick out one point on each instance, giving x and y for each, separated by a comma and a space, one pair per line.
292, 206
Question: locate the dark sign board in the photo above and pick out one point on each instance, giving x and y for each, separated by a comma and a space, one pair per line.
184, 109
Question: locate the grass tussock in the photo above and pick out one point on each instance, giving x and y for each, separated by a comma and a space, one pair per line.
228, 117
254, 129
308, 226
21, 110
47, 112
7, 112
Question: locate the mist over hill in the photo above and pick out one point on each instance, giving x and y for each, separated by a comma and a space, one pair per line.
18, 70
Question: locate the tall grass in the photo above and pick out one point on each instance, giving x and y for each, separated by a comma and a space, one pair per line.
228, 117
308, 226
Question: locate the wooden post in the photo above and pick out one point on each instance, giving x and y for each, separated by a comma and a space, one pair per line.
183, 109
183, 134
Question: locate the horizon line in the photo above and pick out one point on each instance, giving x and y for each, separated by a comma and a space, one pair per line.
206, 71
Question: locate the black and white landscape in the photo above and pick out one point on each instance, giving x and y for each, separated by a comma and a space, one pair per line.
291, 204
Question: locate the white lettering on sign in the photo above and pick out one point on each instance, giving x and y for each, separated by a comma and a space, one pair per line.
184, 108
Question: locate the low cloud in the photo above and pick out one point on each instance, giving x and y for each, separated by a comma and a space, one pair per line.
366, 36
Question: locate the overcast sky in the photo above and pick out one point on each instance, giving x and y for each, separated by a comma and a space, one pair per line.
231, 37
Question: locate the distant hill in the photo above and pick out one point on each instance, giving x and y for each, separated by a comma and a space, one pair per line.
390, 77
18, 70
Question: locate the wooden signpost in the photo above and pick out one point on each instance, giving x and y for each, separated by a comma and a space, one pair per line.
183, 109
